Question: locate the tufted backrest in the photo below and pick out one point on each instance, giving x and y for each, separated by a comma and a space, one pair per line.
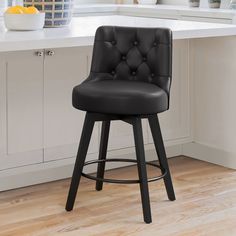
138, 54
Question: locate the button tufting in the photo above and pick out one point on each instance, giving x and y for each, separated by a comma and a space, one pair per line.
130, 73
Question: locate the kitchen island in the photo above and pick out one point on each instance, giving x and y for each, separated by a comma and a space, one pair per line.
40, 130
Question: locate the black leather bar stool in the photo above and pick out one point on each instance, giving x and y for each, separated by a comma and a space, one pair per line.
130, 80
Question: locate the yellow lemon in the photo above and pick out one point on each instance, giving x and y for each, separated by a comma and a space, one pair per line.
20, 7
31, 10
15, 10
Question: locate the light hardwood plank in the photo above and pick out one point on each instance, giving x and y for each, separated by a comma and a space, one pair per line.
205, 205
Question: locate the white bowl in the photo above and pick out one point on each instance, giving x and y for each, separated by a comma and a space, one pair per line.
24, 21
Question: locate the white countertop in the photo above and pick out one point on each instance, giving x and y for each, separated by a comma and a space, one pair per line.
82, 30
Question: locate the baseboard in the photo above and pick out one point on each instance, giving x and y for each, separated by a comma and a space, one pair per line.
62, 169
210, 154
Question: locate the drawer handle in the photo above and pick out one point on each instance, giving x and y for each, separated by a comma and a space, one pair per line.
50, 53
39, 53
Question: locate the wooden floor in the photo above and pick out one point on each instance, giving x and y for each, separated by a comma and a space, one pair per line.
205, 205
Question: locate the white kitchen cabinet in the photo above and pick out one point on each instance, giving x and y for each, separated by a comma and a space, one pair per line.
39, 125
63, 70
21, 109
37, 120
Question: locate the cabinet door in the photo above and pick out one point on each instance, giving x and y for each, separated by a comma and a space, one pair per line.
21, 84
66, 68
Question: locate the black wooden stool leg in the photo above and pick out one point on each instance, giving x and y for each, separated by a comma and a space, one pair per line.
80, 159
102, 153
160, 149
139, 147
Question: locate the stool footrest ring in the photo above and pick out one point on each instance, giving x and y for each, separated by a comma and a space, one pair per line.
116, 181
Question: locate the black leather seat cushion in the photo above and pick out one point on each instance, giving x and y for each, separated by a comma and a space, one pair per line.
120, 97
130, 73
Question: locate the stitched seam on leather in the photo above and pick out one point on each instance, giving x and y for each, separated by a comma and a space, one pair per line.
146, 62
114, 33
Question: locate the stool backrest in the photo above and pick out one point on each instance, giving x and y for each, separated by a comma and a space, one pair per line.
136, 54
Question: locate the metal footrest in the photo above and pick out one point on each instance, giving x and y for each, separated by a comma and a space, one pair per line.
116, 181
